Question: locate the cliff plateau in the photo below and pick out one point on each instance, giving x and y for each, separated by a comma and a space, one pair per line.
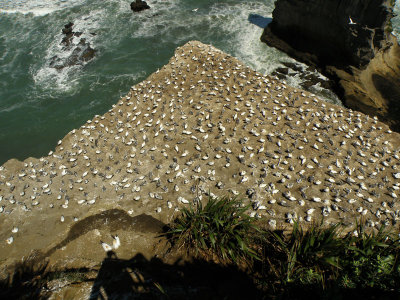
203, 125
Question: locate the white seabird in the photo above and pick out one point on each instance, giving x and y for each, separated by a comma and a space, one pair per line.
106, 246
351, 21
116, 241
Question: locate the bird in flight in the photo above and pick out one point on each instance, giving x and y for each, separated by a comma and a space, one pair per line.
351, 21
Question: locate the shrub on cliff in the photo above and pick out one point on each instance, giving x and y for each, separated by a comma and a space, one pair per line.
371, 260
322, 261
220, 228
317, 261
304, 256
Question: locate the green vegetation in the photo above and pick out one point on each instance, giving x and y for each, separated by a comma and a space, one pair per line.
303, 256
371, 260
220, 228
325, 261
320, 260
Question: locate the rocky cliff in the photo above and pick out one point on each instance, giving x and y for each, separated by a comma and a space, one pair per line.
350, 42
202, 124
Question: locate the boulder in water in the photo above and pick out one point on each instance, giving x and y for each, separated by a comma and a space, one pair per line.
80, 53
68, 28
139, 5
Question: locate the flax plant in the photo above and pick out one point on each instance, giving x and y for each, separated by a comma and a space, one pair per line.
221, 228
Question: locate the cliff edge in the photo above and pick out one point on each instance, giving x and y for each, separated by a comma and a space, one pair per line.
350, 42
203, 125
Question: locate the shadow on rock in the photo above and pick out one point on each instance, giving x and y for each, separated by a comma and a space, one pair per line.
34, 278
25, 281
113, 220
140, 278
259, 21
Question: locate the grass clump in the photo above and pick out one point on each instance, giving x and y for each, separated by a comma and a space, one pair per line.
220, 228
318, 261
321, 260
304, 256
371, 260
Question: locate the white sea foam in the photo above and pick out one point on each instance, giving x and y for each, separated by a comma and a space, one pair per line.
151, 26
244, 42
11, 107
396, 20
244, 37
35, 7
67, 79
239, 36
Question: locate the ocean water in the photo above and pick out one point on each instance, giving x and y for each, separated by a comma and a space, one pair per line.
39, 104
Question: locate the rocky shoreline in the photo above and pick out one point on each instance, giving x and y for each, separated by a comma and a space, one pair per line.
202, 125
349, 42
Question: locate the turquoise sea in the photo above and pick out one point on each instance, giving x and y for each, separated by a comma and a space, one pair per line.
39, 104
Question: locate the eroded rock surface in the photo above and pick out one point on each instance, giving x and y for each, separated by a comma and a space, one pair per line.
204, 124
350, 42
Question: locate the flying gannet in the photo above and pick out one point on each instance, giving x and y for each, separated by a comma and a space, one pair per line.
351, 21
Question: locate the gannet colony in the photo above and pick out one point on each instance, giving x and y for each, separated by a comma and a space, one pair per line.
202, 125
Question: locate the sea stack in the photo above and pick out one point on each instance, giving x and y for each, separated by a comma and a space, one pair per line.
349, 41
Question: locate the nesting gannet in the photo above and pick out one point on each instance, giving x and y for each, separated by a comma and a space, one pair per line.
106, 246
116, 241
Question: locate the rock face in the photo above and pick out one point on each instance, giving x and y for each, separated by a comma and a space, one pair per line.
350, 42
202, 125
139, 5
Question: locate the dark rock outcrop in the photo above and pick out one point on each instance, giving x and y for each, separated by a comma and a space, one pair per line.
80, 53
139, 5
348, 41
308, 76
68, 28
